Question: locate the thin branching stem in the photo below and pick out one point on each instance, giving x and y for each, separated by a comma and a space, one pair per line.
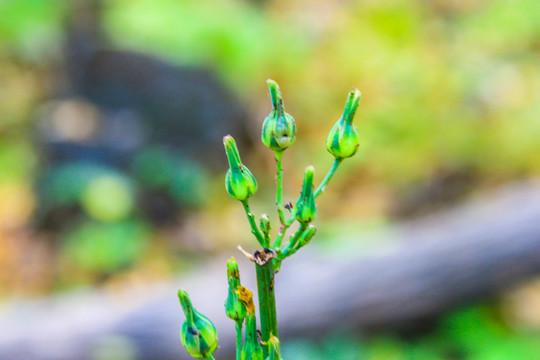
238, 339
282, 232
293, 241
254, 229
321, 187
279, 186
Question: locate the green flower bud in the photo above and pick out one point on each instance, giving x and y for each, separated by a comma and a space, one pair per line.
343, 139
233, 274
239, 181
273, 347
297, 242
307, 235
198, 334
305, 209
234, 308
279, 129
252, 349
264, 224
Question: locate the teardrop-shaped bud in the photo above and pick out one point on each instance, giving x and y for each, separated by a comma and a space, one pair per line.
273, 348
234, 308
239, 181
252, 349
305, 209
343, 139
198, 334
279, 129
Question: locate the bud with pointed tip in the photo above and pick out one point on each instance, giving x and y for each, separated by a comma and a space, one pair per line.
198, 334
273, 347
279, 129
239, 181
234, 308
343, 139
252, 349
305, 209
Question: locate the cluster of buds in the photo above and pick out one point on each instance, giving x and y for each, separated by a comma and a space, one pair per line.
198, 334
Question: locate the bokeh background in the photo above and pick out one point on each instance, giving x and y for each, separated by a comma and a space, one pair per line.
112, 113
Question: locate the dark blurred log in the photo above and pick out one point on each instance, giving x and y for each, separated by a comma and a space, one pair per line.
112, 105
428, 266
187, 108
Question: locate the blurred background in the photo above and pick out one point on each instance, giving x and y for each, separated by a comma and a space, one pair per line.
111, 159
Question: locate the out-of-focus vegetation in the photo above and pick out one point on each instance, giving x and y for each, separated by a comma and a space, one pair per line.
475, 333
451, 102
446, 84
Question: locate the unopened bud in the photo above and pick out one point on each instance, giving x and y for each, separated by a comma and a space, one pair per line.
273, 348
306, 210
279, 129
234, 308
252, 349
239, 181
198, 334
343, 139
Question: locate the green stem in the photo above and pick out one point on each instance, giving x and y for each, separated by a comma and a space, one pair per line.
291, 246
280, 236
238, 339
321, 187
267, 302
254, 229
283, 230
279, 188
209, 357
267, 240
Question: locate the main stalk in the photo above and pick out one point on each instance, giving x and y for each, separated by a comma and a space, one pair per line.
267, 301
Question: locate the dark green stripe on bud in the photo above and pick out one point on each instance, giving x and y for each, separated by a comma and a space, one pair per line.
305, 209
239, 181
279, 129
198, 334
343, 139
273, 347
234, 308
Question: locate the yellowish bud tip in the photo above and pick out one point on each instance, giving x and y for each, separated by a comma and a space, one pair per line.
246, 297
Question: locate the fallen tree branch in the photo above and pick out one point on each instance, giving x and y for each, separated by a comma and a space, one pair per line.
429, 266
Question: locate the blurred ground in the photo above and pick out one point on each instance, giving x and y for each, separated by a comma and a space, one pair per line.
111, 168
